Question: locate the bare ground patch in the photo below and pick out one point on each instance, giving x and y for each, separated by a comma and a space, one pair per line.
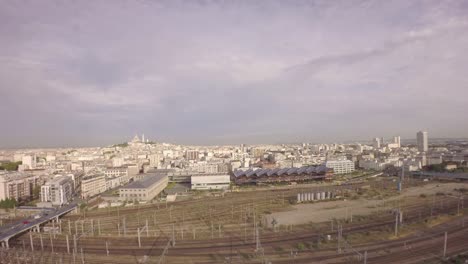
326, 211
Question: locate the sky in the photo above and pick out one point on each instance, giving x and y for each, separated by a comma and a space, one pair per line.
93, 73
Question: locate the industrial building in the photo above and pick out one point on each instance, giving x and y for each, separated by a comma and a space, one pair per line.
215, 181
145, 189
258, 176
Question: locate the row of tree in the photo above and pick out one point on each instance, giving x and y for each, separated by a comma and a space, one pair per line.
442, 168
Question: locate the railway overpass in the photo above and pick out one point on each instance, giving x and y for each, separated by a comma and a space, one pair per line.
34, 224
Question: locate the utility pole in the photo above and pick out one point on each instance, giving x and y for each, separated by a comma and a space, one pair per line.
139, 241
75, 245
365, 257
445, 244
339, 231
51, 242
161, 259
257, 240
147, 230
124, 227
254, 225
68, 245
396, 224
42, 243
173, 235
31, 240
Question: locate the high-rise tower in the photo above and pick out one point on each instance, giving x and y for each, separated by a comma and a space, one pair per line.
422, 141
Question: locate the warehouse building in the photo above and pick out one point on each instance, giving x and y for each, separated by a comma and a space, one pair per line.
215, 181
145, 189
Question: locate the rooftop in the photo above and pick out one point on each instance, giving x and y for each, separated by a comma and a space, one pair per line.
59, 180
146, 182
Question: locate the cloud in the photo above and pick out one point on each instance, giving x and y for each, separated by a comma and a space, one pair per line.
92, 73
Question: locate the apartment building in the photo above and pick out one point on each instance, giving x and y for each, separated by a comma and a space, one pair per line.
17, 185
58, 191
340, 166
122, 173
93, 185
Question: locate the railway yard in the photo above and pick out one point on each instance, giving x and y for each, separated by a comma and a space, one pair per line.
366, 221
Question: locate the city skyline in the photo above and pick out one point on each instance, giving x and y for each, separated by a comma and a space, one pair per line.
406, 141
93, 74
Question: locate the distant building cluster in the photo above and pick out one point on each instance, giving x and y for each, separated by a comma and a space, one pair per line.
140, 170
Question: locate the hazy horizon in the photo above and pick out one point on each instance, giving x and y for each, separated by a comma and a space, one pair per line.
86, 73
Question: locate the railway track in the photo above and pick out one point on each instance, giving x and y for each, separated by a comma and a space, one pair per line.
125, 245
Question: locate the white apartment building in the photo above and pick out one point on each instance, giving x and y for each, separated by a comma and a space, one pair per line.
372, 165
58, 191
235, 164
397, 141
210, 181
376, 143
431, 160
117, 162
191, 154
122, 173
205, 167
29, 161
154, 159
113, 182
93, 185
340, 166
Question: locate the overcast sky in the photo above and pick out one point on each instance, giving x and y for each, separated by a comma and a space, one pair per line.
84, 73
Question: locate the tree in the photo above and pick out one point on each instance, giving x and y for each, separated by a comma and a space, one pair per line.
8, 203
10, 166
122, 145
36, 192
